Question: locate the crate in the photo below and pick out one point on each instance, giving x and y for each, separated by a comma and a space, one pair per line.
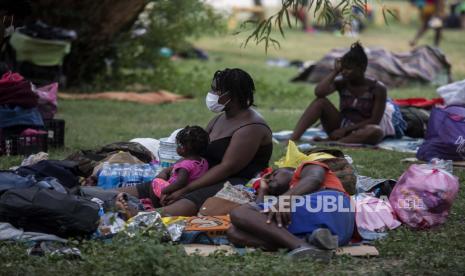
23, 145
56, 132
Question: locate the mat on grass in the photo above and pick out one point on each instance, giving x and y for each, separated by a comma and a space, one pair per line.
158, 97
404, 144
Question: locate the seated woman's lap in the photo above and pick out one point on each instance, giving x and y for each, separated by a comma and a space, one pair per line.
198, 197
190, 203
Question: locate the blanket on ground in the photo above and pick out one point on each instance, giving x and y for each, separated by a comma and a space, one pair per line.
146, 98
424, 64
404, 144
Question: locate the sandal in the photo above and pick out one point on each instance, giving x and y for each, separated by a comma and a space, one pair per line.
312, 252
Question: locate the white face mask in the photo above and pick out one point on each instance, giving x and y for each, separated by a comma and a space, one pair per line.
212, 102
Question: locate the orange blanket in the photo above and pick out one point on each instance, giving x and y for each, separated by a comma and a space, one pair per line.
145, 98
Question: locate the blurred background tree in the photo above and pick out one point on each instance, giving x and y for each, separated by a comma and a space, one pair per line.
106, 30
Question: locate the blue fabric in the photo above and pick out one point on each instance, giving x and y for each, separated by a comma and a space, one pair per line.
19, 116
10, 180
398, 121
201, 237
340, 222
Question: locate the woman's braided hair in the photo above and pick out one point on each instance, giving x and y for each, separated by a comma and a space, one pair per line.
355, 57
238, 83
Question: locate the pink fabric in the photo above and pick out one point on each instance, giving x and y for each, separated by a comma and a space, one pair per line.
32, 132
47, 100
10, 77
374, 214
147, 203
423, 196
194, 168
158, 185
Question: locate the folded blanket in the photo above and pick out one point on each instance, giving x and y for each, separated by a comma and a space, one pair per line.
17, 93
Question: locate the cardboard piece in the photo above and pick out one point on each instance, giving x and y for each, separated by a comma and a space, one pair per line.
212, 225
205, 250
358, 250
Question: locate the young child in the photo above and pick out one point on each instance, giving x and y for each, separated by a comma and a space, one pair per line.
192, 141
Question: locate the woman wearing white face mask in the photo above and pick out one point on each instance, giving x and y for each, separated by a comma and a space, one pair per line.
240, 143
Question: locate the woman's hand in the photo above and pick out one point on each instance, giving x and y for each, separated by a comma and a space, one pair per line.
281, 217
171, 197
338, 134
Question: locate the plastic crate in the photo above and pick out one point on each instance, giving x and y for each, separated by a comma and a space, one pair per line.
56, 132
23, 145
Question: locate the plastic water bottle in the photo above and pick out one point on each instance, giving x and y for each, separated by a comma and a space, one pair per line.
139, 171
104, 175
125, 174
114, 176
149, 173
130, 175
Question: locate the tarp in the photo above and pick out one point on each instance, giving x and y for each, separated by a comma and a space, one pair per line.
424, 64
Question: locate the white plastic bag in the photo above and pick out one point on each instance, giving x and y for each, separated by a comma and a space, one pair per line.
454, 93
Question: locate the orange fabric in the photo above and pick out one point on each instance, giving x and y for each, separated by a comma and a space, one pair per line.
331, 181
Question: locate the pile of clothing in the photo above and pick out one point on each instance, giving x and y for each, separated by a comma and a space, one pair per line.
40, 50
23, 107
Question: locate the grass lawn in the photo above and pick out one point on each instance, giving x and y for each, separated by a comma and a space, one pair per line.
93, 123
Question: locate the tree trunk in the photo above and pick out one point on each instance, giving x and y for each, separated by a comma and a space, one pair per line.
97, 22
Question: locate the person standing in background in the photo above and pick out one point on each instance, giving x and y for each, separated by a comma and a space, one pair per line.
430, 16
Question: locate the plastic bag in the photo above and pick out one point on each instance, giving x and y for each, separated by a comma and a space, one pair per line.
445, 136
423, 196
47, 100
454, 93
175, 226
294, 157
171, 228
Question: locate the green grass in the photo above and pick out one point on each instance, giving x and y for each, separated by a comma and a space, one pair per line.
90, 124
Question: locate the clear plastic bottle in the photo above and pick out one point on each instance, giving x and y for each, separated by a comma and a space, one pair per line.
124, 174
149, 173
103, 176
114, 176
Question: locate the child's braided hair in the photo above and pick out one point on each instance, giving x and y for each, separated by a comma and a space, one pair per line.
194, 138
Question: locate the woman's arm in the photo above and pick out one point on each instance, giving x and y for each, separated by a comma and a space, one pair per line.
327, 85
311, 178
242, 148
310, 181
262, 191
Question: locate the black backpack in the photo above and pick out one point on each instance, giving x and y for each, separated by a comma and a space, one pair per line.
61, 170
48, 211
417, 121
